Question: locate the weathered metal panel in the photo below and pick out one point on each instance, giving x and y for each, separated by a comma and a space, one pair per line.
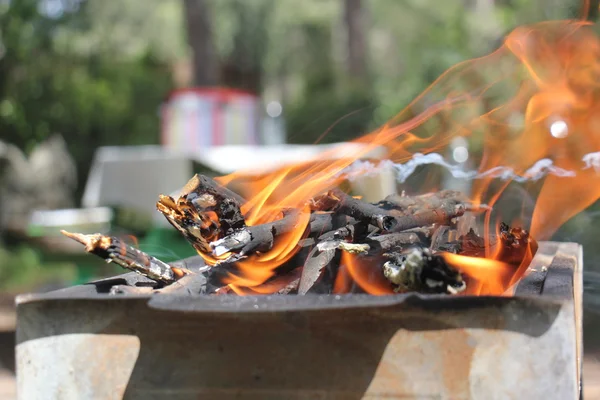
61, 369
304, 347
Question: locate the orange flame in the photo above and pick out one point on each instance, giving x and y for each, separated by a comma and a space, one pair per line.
490, 276
364, 272
536, 97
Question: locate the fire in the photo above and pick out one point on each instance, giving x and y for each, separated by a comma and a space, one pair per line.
488, 276
364, 273
536, 97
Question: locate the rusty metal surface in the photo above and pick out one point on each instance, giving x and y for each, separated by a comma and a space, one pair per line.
284, 347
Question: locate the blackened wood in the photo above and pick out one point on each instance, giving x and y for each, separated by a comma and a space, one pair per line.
115, 250
225, 203
353, 232
190, 211
413, 204
218, 274
321, 223
314, 267
441, 215
340, 202
439, 237
201, 184
516, 244
290, 288
261, 237
256, 237
394, 241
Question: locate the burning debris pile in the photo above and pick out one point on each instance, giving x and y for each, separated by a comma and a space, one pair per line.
531, 105
335, 243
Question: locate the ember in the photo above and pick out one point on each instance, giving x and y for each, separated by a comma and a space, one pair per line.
532, 103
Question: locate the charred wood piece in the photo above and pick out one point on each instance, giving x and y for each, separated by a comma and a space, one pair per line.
515, 242
396, 240
351, 232
442, 215
317, 261
261, 237
352, 248
115, 250
439, 237
419, 270
203, 211
340, 202
290, 288
254, 238
323, 223
510, 245
413, 204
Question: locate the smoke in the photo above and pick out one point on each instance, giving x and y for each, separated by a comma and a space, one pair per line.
403, 171
592, 160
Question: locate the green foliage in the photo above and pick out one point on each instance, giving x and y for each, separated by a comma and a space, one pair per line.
330, 107
327, 116
22, 269
93, 98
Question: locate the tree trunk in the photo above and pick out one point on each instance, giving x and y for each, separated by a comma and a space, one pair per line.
200, 39
243, 67
357, 45
592, 11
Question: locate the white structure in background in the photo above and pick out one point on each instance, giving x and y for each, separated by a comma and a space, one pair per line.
228, 159
135, 176
228, 130
196, 119
259, 159
459, 153
84, 220
273, 125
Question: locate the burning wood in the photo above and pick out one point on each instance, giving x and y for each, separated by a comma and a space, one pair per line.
421, 271
114, 250
345, 244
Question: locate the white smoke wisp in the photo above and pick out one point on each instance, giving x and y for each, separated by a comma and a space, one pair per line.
363, 168
408, 168
592, 160
538, 171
